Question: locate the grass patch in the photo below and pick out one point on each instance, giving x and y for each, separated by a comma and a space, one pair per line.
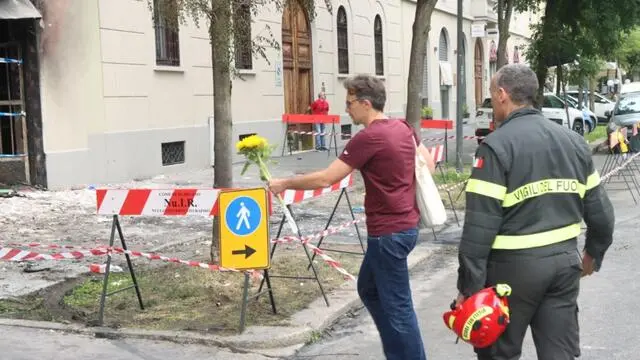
449, 177
600, 132
186, 298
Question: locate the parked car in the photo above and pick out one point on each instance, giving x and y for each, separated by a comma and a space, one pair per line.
588, 115
553, 109
484, 119
627, 110
600, 104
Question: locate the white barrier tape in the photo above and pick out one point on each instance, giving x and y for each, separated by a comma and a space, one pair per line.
619, 167
317, 133
468, 137
446, 187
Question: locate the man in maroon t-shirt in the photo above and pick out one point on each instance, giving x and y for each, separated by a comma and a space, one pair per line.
384, 152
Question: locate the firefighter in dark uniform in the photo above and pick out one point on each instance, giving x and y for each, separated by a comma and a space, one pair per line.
532, 184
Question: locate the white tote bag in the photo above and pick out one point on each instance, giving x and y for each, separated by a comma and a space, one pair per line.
432, 212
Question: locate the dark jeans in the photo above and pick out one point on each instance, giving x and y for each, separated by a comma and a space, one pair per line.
383, 286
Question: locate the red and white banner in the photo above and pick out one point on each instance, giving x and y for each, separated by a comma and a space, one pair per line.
158, 202
296, 196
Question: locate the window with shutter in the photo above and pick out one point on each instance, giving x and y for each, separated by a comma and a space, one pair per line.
343, 42
378, 48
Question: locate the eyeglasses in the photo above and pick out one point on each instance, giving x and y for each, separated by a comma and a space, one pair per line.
349, 102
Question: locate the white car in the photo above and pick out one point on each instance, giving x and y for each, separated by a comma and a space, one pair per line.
553, 109
600, 104
484, 119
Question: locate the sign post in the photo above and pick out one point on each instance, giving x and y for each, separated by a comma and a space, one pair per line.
244, 237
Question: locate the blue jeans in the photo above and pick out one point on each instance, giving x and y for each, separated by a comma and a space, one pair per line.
383, 286
319, 138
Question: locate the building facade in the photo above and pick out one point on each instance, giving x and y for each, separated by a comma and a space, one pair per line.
124, 97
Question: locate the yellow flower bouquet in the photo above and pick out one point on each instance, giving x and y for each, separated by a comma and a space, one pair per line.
257, 150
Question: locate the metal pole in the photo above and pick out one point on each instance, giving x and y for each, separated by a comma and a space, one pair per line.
460, 90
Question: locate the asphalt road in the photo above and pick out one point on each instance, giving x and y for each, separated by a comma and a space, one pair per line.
608, 303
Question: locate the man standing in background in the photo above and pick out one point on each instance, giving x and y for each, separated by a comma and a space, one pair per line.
320, 107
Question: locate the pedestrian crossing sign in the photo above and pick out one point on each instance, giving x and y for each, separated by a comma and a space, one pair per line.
244, 229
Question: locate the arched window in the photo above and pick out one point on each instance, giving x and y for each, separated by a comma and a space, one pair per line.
378, 48
443, 47
343, 42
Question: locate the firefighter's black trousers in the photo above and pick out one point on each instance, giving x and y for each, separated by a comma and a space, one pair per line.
545, 283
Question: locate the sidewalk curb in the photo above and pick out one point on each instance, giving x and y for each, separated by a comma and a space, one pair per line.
597, 145
304, 324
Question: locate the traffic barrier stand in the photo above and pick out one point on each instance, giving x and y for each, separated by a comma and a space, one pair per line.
614, 159
445, 125
438, 155
621, 165
291, 197
155, 202
300, 119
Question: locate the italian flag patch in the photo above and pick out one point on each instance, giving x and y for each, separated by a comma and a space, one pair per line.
478, 162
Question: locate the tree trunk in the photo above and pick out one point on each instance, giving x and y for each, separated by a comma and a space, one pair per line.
220, 34
592, 89
541, 67
580, 96
559, 76
505, 8
421, 27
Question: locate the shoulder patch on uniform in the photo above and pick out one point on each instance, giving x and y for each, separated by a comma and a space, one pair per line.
478, 162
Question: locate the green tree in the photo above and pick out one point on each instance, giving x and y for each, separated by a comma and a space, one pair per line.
226, 33
504, 10
420, 35
628, 55
579, 28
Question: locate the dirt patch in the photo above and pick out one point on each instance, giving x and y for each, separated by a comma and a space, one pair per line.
185, 298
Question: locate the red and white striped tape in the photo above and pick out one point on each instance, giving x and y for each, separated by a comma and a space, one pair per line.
12, 254
314, 133
153, 256
297, 196
158, 202
468, 137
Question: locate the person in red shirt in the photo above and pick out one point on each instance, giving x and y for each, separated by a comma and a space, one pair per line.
384, 152
320, 107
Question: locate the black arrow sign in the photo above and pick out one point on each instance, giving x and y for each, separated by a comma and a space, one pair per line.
248, 251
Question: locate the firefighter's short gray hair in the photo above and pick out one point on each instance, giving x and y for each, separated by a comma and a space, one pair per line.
520, 82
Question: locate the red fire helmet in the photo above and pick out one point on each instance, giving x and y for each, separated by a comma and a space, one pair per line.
481, 318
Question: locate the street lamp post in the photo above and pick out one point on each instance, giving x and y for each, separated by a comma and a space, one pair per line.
460, 90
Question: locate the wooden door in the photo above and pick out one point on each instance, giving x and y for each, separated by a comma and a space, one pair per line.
478, 72
297, 68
